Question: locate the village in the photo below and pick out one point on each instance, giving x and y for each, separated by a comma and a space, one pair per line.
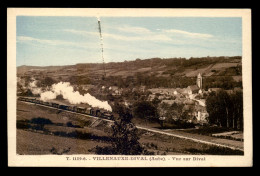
192, 98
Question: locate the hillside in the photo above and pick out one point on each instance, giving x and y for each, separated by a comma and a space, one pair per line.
155, 68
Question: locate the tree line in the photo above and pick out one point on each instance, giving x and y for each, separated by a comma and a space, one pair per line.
226, 110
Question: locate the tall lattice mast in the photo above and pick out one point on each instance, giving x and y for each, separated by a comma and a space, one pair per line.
101, 43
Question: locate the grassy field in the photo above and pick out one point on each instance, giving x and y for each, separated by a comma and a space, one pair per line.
67, 133
31, 143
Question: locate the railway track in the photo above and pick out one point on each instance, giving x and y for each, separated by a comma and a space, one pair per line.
153, 130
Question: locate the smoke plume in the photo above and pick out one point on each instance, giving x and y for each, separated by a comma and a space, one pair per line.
74, 97
33, 87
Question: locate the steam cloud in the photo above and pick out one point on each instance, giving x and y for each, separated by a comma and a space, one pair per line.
33, 87
74, 97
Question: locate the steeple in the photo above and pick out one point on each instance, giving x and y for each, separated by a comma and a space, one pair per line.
199, 81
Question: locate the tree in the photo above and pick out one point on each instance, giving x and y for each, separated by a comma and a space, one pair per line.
145, 110
81, 90
171, 112
27, 93
156, 101
226, 104
237, 106
19, 87
47, 81
125, 136
212, 109
225, 110
59, 97
217, 108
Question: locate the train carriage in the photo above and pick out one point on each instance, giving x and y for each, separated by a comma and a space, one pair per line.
89, 111
97, 113
55, 105
26, 99
107, 115
46, 104
32, 100
63, 107
22, 99
37, 101
81, 110
72, 108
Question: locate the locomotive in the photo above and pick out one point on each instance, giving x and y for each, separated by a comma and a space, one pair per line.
82, 110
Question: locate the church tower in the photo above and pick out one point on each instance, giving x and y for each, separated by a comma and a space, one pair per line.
199, 81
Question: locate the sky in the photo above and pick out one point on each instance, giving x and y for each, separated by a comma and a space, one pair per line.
48, 40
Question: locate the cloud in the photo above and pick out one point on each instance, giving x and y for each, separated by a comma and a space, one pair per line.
43, 41
189, 34
35, 41
133, 33
83, 33
151, 36
133, 29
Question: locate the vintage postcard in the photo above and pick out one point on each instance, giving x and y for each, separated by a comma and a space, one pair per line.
129, 87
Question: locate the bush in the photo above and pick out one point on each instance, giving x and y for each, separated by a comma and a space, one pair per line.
69, 124
108, 150
23, 124
40, 120
59, 152
178, 125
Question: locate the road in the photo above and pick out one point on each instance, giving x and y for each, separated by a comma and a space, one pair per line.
232, 144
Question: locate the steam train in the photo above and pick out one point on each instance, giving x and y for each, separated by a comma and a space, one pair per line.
88, 111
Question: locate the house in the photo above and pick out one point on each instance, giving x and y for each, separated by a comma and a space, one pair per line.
142, 88
189, 102
201, 116
183, 91
151, 97
201, 113
193, 89
214, 89
170, 102
164, 91
113, 88
87, 86
202, 102
117, 92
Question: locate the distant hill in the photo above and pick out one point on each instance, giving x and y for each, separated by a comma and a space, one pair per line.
207, 66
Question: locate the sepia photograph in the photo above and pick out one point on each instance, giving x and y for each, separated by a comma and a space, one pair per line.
129, 87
